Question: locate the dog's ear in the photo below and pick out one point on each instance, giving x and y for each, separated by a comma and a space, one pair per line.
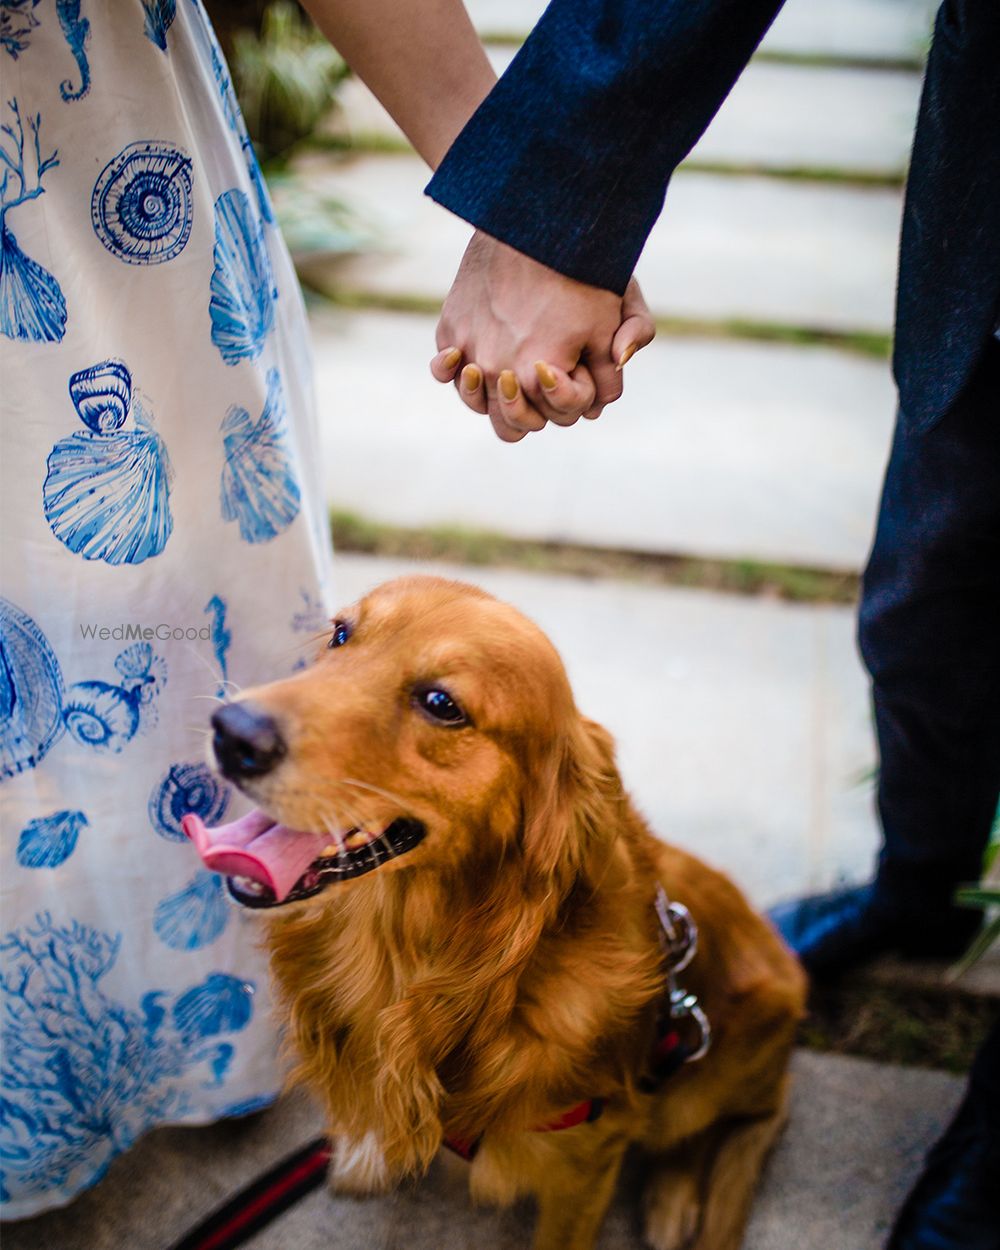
573, 807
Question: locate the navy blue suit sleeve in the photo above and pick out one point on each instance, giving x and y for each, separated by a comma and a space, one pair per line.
569, 156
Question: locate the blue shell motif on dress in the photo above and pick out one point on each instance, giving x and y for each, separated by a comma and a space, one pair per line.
50, 840
194, 916
243, 291
84, 1074
186, 788
17, 21
107, 491
31, 692
32, 305
160, 16
259, 489
107, 717
142, 208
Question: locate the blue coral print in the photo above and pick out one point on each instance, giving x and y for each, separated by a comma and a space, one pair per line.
84, 1074
107, 717
186, 788
107, 491
32, 306
142, 208
50, 840
221, 639
31, 692
259, 489
76, 28
242, 289
17, 21
194, 916
160, 16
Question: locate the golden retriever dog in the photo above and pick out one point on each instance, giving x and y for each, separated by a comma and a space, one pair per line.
467, 932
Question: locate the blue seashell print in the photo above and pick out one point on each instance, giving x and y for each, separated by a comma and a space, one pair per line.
107, 491
186, 788
17, 21
32, 305
50, 840
142, 207
259, 489
31, 692
85, 1074
243, 290
221, 1004
193, 917
107, 717
160, 15
76, 30
101, 716
102, 395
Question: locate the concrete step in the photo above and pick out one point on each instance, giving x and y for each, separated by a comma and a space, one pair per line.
757, 249
857, 1134
718, 448
852, 28
777, 117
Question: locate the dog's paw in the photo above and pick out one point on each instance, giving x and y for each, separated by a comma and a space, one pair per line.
672, 1209
358, 1167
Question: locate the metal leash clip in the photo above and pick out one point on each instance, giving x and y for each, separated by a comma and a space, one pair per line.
678, 932
685, 1006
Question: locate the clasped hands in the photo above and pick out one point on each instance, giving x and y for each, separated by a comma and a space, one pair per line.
526, 345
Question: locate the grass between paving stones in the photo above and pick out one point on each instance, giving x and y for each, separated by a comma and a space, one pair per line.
898, 1024
869, 343
458, 545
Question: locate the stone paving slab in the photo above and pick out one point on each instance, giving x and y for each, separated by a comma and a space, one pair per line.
722, 449
760, 249
861, 28
857, 1133
742, 724
777, 116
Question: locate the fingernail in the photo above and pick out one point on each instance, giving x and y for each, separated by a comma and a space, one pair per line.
472, 378
626, 355
452, 357
508, 385
547, 378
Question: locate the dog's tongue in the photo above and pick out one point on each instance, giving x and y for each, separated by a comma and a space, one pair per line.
255, 846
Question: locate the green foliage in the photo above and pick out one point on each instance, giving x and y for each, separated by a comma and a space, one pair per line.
286, 79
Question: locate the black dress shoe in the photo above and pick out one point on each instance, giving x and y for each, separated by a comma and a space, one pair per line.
833, 932
955, 1204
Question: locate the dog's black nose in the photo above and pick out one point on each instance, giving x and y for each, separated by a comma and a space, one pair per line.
247, 740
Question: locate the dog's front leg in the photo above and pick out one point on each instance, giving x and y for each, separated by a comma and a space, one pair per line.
575, 1195
358, 1167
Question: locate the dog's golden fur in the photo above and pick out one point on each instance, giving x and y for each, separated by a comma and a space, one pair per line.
509, 967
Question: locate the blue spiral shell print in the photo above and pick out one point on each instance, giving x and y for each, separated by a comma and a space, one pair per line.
101, 716
186, 788
193, 917
50, 840
259, 490
242, 288
107, 491
142, 207
31, 692
221, 1004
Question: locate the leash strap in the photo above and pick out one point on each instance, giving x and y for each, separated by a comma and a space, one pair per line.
262, 1201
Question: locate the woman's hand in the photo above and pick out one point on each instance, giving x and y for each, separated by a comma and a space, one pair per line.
527, 345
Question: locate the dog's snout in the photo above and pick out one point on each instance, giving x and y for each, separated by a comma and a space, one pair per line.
247, 741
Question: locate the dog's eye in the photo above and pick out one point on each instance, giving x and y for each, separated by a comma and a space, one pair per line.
440, 705
341, 633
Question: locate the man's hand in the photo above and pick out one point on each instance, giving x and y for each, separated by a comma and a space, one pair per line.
528, 345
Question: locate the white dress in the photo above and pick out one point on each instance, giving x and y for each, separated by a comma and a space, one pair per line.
164, 539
